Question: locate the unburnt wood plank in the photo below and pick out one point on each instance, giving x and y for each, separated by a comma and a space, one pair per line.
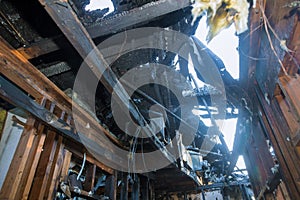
44, 167
65, 166
30, 166
56, 174
33, 167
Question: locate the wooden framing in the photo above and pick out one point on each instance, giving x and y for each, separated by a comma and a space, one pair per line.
278, 132
38, 159
65, 166
16, 68
111, 186
34, 166
19, 162
42, 175
90, 178
54, 181
42, 158
124, 187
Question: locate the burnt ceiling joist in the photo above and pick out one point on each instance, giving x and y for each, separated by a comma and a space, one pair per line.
136, 16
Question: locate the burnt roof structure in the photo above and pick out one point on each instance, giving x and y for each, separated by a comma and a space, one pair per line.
117, 103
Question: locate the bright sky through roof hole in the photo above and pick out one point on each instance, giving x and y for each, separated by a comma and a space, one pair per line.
100, 4
224, 45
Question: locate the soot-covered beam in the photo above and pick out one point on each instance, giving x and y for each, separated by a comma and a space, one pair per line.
139, 15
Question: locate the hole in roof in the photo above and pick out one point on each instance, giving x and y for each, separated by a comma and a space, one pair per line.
224, 45
100, 4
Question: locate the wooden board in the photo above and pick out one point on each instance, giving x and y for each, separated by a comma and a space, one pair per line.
53, 183
65, 166
89, 178
30, 168
42, 174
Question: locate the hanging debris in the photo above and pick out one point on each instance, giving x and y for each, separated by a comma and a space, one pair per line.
221, 14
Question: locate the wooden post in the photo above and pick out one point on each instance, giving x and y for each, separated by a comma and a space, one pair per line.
65, 167
144, 188
111, 186
151, 188
28, 179
44, 167
90, 178
124, 187
135, 193
56, 174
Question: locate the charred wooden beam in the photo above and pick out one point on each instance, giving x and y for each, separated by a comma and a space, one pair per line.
118, 22
249, 46
124, 187
39, 48
278, 132
111, 186
135, 192
140, 15
89, 178
11, 28
33, 166
15, 96
292, 58
20, 71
